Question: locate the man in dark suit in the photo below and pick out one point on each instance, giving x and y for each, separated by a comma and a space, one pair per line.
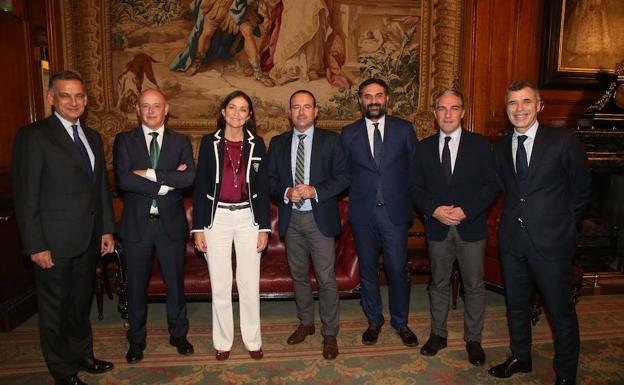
65, 220
455, 184
153, 164
546, 181
381, 156
307, 171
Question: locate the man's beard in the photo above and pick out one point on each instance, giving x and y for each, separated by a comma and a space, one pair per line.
374, 114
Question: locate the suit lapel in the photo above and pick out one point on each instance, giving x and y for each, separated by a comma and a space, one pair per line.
287, 154
365, 144
60, 135
218, 154
461, 154
165, 149
97, 158
141, 146
317, 149
537, 153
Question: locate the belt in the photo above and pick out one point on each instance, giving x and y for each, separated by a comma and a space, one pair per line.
233, 206
154, 216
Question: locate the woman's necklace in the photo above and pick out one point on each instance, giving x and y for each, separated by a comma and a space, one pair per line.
238, 162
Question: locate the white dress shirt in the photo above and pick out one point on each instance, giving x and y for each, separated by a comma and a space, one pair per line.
528, 142
453, 145
370, 130
307, 141
68, 127
151, 173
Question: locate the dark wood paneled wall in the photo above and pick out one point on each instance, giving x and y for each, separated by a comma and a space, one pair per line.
502, 43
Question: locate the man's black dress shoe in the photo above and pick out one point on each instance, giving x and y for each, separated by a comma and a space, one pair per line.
434, 343
510, 367
95, 366
70, 380
181, 343
371, 334
135, 353
407, 336
476, 355
564, 381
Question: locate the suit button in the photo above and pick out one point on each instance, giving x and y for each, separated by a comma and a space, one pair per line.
522, 200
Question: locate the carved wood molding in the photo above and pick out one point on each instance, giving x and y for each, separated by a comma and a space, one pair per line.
87, 31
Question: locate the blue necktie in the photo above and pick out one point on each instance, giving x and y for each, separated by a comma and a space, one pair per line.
86, 162
522, 164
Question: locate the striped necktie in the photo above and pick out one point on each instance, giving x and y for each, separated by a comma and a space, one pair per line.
300, 165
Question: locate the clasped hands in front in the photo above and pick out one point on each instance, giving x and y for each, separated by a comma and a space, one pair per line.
300, 192
449, 215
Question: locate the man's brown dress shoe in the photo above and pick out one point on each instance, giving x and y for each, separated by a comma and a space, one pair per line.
330, 347
300, 334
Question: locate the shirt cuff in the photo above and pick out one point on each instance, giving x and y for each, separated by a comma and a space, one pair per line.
151, 175
315, 194
164, 189
286, 200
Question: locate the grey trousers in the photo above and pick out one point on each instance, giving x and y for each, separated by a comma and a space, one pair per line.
304, 241
469, 256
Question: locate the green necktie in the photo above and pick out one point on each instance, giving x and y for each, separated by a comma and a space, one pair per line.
154, 154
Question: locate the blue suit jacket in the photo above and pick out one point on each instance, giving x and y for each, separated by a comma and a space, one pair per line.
473, 186
328, 175
557, 190
395, 172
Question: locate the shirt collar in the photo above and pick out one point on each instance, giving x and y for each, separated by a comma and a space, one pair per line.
455, 135
147, 130
66, 123
308, 133
531, 132
381, 121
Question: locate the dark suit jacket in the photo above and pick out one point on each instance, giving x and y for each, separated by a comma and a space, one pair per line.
130, 153
395, 173
557, 190
58, 206
210, 174
473, 186
328, 175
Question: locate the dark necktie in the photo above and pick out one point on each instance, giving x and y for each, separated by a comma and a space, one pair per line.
300, 165
377, 154
154, 155
522, 164
377, 145
84, 155
446, 160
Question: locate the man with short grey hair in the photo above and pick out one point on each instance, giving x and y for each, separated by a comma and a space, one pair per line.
455, 184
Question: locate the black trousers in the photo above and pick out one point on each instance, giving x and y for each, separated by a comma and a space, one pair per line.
171, 258
64, 297
522, 266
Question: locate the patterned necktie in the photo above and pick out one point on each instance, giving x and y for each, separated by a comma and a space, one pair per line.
522, 165
84, 155
300, 165
446, 160
154, 155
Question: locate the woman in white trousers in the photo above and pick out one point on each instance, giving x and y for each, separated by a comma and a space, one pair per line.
231, 205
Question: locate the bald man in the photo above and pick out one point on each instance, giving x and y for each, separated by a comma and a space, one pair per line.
153, 164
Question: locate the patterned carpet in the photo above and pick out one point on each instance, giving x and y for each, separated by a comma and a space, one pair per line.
387, 362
